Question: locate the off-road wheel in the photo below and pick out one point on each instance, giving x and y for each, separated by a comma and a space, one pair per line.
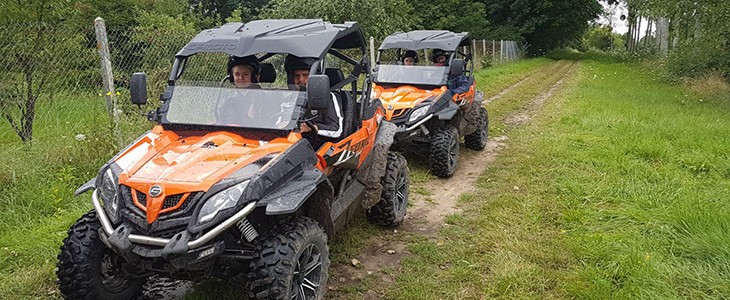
478, 139
87, 269
291, 262
444, 151
391, 209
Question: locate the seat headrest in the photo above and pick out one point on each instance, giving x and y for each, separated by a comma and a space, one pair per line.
268, 73
335, 75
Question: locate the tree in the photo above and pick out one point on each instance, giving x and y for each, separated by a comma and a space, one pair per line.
453, 15
32, 33
543, 24
377, 18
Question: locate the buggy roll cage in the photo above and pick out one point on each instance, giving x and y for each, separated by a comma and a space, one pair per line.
303, 38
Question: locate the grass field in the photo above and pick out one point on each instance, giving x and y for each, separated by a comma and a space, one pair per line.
618, 188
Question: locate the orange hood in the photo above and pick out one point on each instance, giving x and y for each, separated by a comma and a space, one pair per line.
184, 164
398, 100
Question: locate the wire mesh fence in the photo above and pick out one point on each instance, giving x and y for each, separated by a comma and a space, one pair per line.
43, 64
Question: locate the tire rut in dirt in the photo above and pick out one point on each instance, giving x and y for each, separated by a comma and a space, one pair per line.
444, 151
529, 76
391, 209
85, 268
291, 258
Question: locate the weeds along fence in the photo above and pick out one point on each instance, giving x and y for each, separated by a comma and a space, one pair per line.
44, 64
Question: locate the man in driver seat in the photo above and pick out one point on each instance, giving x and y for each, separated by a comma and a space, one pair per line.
459, 84
325, 125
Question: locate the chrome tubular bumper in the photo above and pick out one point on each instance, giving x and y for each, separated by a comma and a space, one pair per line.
153, 241
414, 126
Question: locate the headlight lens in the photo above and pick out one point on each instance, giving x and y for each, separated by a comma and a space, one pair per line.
418, 113
222, 200
108, 192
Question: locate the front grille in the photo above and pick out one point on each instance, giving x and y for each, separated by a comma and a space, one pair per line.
168, 223
142, 198
171, 201
398, 112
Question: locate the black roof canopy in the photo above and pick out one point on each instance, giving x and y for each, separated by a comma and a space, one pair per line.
303, 38
426, 39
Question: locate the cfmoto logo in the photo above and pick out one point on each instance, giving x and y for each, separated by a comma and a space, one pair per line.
155, 191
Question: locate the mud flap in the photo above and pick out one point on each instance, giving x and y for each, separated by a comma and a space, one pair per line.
371, 174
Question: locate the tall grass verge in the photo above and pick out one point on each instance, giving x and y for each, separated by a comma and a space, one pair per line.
616, 189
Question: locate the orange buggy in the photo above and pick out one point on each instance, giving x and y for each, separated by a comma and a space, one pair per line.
226, 185
433, 104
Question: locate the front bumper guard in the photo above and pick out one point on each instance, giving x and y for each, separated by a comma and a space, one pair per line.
162, 242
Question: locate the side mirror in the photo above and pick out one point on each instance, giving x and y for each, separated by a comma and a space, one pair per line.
318, 92
138, 88
457, 67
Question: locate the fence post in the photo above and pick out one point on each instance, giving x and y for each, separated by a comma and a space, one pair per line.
501, 51
372, 53
107, 77
473, 50
484, 47
494, 52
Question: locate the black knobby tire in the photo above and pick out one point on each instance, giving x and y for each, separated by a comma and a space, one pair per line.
391, 209
444, 151
478, 139
86, 268
291, 259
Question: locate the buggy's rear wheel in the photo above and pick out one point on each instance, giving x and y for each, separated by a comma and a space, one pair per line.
87, 269
291, 262
391, 209
478, 139
444, 151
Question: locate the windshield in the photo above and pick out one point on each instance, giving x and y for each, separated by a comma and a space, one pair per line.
222, 104
427, 75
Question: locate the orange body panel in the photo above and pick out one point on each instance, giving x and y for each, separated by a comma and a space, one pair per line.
184, 164
359, 143
398, 100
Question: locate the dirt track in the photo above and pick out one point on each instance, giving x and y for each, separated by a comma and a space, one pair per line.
426, 214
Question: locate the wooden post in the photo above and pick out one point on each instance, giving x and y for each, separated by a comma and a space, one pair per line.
372, 53
494, 52
484, 47
107, 77
501, 51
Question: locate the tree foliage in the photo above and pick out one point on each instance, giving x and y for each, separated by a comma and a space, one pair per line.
602, 38
31, 33
454, 15
543, 24
699, 29
377, 18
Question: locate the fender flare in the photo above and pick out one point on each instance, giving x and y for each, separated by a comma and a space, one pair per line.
448, 112
311, 191
88, 186
289, 197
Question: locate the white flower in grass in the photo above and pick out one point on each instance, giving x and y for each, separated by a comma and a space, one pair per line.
80, 137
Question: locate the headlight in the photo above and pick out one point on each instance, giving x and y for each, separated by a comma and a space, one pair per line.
222, 200
418, 113
108, 192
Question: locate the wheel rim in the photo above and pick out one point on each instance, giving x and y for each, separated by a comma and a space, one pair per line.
401, 192
112, 279
453, 153
307, 274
